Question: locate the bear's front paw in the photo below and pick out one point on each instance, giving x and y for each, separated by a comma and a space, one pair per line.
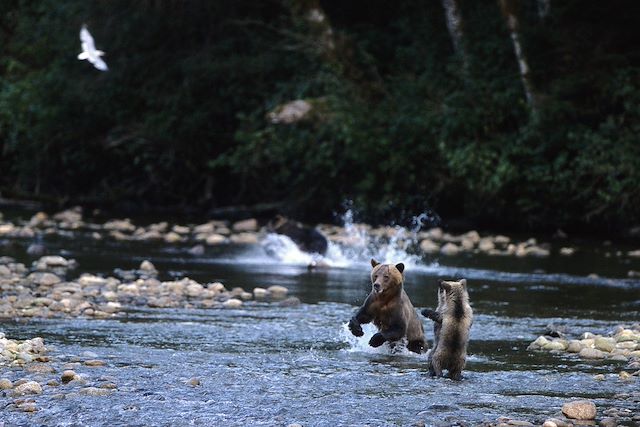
377, 340
355, 328
429, 314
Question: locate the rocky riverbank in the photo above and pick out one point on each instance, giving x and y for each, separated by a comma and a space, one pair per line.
575, 412
433, 242
43, 290
28, 371
621, 345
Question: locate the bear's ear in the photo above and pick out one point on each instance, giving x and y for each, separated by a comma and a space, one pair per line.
400, 267
445, 286
374, 262
463, 282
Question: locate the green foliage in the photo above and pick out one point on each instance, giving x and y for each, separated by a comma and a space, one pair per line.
398, 126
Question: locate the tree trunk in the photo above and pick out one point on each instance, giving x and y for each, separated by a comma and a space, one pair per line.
454, 25
509, 11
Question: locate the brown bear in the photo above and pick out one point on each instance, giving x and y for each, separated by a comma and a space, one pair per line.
308, 239
390, 309
452, 320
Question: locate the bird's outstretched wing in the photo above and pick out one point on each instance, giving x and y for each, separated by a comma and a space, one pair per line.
86, 39
100, 64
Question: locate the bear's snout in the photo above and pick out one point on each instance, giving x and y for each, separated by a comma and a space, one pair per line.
376, 287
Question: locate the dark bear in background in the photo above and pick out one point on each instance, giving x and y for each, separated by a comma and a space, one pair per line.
308, 239
452, 321
390, 309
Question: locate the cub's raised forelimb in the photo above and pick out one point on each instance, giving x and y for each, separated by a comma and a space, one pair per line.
432, 314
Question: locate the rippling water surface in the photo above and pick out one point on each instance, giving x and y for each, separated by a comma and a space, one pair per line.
270, 365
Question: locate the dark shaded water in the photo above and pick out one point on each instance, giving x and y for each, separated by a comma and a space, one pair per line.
269, 365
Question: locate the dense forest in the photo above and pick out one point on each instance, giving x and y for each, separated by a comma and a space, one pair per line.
511, 113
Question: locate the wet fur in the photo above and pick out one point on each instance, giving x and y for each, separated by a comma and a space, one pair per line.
452, 320
390, 310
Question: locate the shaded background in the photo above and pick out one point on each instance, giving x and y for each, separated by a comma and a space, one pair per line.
411, 110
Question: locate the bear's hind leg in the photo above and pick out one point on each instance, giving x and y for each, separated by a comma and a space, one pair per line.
435, 370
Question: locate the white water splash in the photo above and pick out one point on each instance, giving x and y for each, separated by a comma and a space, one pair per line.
361, 344
354, 246
283, 249
391, 244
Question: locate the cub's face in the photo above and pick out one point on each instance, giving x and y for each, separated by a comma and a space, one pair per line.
385, 277
450, 288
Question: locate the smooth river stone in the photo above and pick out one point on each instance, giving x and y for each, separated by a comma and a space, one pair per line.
557, 345
605, 344
592, 353
29, 387
574, 346
580, 410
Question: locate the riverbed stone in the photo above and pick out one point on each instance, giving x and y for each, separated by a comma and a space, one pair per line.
591, 353
44, 278
215, 239
260, 293
68, 376
608, 422
40, 368
197, 250
109, 385
277, 291
579, 410
429, 247
71, 215
29, 387
605, 344
467, 244
246, 225
619, 357
624, 375
95, 391
232, 303
486, 244
27, 407
194, 290
181, 229
634, 254
567, 251
148, 267
556, 345
289, 302
173, 237
94, 362
193, 382
574, 346
540, 342
244, 238
627, 335
450, 249
5, 384
121, 225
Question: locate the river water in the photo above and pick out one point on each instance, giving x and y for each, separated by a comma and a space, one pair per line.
267, 365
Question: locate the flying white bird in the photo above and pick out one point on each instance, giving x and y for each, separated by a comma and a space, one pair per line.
89, 51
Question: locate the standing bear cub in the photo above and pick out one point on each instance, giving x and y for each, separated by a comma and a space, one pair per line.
452, 321
390, 309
